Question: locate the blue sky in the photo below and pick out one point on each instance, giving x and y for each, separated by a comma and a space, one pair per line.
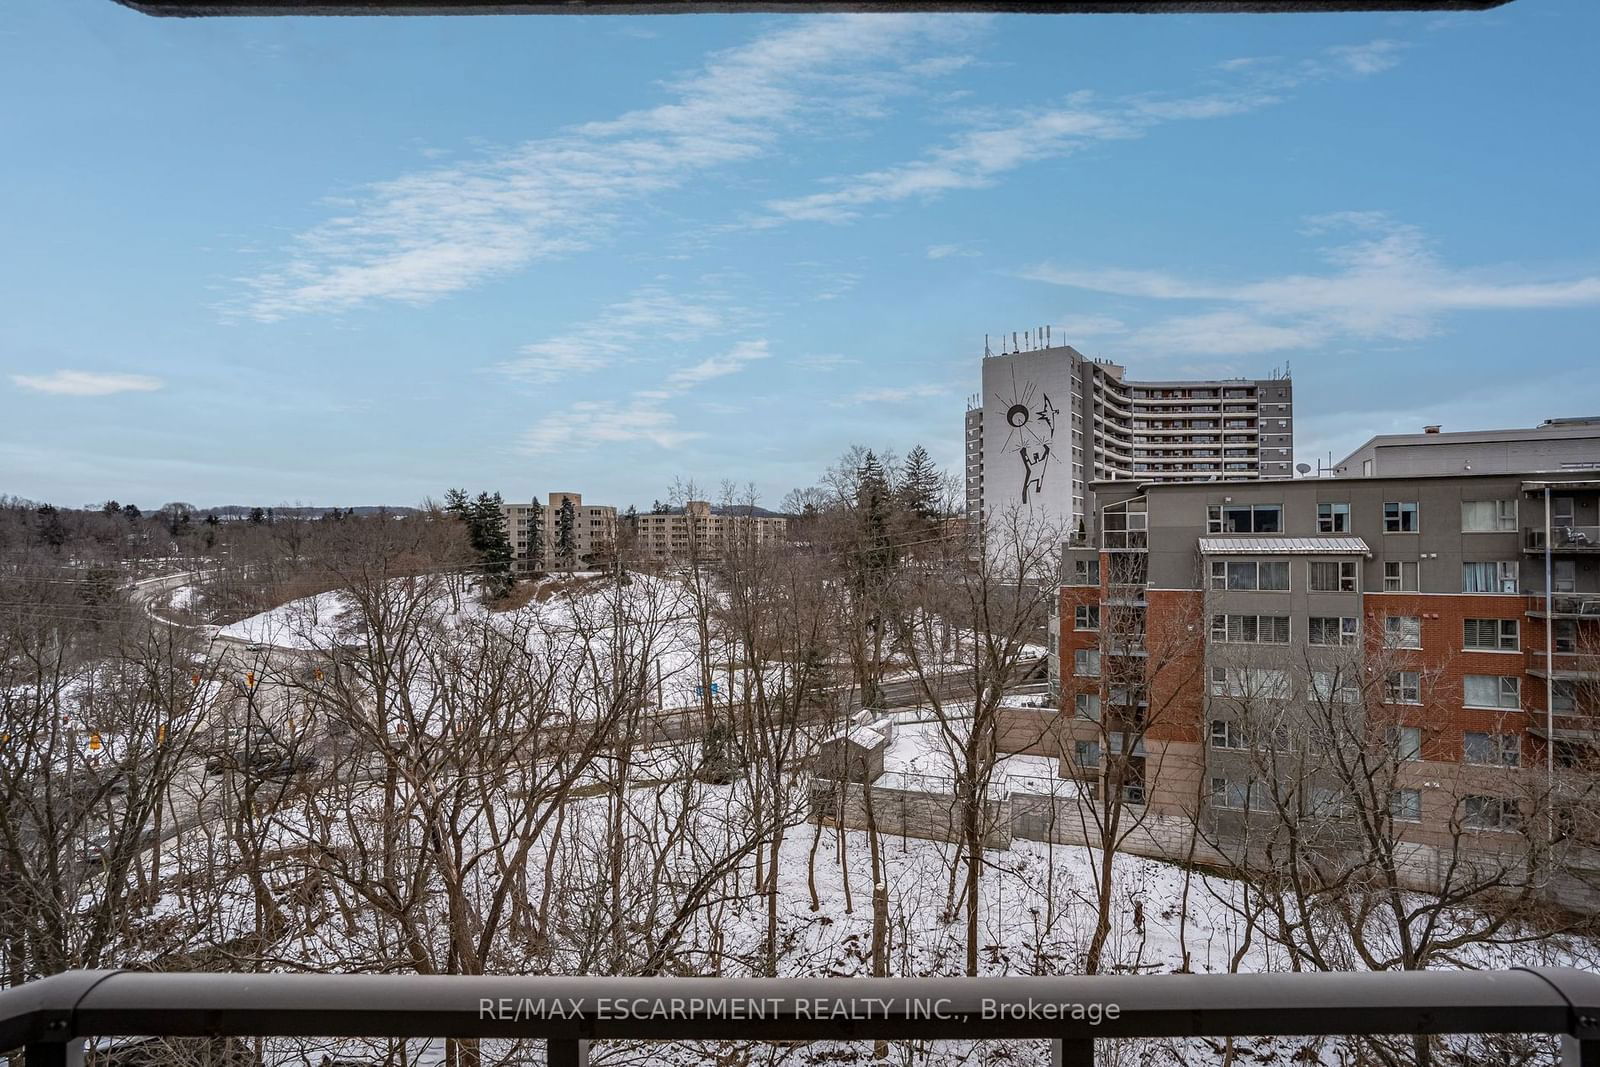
360, 260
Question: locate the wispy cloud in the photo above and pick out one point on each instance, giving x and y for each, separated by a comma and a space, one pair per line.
1384, 282
946, 251
827, 362
978, 157
643, 415
649, 315
897, 394
86, 383
420, 236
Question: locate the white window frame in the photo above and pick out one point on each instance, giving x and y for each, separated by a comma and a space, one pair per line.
1348, 631
1508, 690
1345, 576
1333, 517
1502, 517
1406, 742
1396, 523
1086, 706
1497, 750
1322, 687
1395, 574
1086, 663
1402, 631
1412, 809
1507, 635
1403, 687
1081, 615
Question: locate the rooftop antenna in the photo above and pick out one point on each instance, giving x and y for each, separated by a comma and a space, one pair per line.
1014, 348
985, 346
1047, 336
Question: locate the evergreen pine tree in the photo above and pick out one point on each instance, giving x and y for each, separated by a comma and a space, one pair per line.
919, 485
567, 534
493, 544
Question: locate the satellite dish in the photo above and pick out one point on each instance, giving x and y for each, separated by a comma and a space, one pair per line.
1303, 468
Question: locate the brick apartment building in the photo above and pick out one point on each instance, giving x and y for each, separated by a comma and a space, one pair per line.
1211, 635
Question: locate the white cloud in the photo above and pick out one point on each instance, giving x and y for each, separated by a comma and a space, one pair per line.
1089, 326
651, 314
828, 362
730, 362
1384, 282
420, 236
946, 251
643, 416
1374, 57
87, 383
900, 394
976, 158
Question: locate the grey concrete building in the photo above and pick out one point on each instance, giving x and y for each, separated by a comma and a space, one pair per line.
1229, 623
1051, 420
1554, 445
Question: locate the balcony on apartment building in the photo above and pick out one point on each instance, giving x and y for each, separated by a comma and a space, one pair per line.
560, 1019
1563, 539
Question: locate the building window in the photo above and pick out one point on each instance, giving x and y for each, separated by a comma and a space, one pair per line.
1566, 699
1250, 683
1086, 753
1270, 575
1400, 517
1491, 813
1565, 633
1086, 663
1333, 630
1403, 687
1406, 741
1226, 734
1335, 687
1251, 629
1087, 706
1086, 617
1499, 691
1333, 518
1333, 577
1399, 577
1490, 635
1498, 750
1227, 794
1497, 577
1405, 805
1564, 576
1244, 518
1086, 571
1488, 516
1402, 631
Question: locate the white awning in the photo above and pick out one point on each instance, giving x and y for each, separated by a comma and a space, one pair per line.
1284, 546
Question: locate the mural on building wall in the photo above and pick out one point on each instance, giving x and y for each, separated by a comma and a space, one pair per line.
1031, 419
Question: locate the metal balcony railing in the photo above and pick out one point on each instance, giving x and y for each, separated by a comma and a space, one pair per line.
1562, 539
53, 1016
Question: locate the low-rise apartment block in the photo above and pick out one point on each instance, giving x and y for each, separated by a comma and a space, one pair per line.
562, 534
1226, 648
699, 531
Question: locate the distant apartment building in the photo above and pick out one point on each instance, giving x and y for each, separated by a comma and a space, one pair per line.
535, 530
699, 531
1555, 444
1219, 623
1050, 421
